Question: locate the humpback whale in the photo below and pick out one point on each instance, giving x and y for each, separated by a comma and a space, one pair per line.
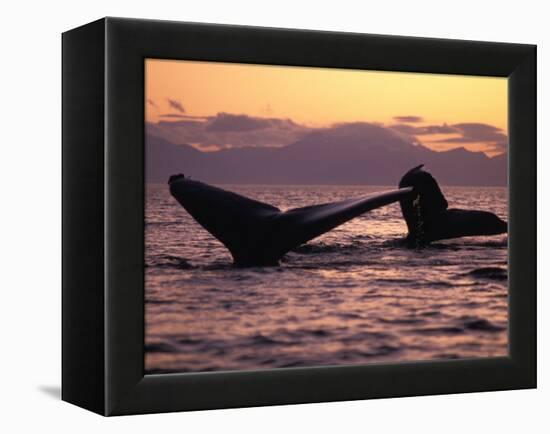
257, 233
429, 219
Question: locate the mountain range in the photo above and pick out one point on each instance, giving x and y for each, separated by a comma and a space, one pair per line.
345, 155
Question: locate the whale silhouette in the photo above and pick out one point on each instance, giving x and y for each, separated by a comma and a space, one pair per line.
257, 233
429, 219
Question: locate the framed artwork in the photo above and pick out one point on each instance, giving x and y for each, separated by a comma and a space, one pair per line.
258, 216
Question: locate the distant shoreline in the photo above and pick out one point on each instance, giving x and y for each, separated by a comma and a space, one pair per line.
382, 186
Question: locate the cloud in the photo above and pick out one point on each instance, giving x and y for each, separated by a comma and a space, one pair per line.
408, 119
182, 116
473, 132
425, 130
438, 129
463, 133
225, 122
173, 115
226, 130
477, 132
176, 105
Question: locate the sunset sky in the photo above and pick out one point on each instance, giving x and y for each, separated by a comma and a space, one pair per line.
438, 111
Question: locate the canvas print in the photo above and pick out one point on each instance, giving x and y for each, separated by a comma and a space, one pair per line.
300, 217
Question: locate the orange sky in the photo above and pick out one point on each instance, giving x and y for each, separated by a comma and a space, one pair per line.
320, 97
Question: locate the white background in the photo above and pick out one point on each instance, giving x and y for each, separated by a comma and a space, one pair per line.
30, 146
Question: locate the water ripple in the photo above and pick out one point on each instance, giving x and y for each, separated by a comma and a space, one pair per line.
354, 295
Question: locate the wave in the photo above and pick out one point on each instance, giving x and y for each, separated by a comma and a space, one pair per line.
168, 261
482, 325
467, 324
317, 248
496, 273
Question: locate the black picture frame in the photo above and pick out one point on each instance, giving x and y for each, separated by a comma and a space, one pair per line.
103, 216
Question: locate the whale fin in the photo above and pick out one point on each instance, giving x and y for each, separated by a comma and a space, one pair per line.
429, 219
257, 233
431, 196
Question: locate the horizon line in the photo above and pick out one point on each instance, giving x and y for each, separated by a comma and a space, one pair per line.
328, 185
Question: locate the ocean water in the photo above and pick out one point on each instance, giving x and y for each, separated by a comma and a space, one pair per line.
351, 296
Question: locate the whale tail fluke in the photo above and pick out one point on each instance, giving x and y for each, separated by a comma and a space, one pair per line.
238, 222
304, 224
428, 218
257, 233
